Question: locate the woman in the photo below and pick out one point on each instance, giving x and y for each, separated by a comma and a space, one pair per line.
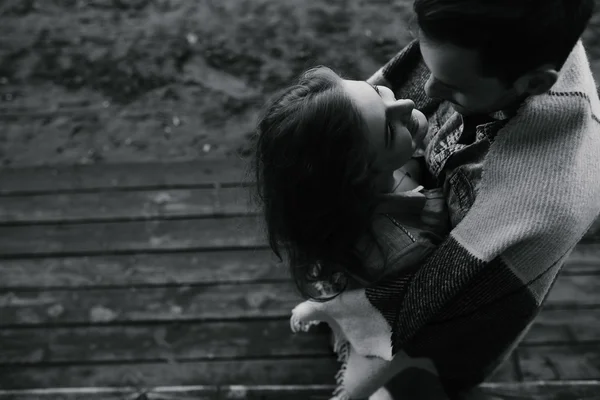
342, 200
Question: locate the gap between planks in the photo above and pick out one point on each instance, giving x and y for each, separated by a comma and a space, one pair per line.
209, 302
144, 175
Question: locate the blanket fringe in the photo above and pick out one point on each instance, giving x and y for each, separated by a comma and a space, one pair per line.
340, 345
298, 325
342, 348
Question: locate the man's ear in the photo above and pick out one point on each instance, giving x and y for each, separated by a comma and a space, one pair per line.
538, 81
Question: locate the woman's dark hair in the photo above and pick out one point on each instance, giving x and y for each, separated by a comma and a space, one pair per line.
313, 171
512, 37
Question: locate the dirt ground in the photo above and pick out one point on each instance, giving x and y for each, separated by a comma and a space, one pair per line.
85, 81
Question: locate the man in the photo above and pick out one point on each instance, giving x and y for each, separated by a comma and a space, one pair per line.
514, 140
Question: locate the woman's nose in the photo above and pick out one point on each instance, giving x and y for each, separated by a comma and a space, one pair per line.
401, 109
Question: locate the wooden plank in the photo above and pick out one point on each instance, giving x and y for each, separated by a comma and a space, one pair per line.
52, 179
169, 268
220, 302
132, 394
584, 259
544, 390
142, 269
106, 393
575, 292
171, 342
565, 326
223, 301
298, 371
130, 237
125, 205
226, 392
503, 391
566, 362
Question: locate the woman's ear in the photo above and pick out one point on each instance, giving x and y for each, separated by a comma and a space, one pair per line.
537, 81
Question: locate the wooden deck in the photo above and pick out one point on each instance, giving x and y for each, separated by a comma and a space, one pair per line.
153, 281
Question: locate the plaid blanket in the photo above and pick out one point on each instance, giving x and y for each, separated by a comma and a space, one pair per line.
521, 195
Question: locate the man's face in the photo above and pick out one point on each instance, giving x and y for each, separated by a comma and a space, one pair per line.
456, 77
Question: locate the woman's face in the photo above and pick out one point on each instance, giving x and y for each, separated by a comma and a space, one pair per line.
391, 123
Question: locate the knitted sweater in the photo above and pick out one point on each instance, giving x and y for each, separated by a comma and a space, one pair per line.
520, 197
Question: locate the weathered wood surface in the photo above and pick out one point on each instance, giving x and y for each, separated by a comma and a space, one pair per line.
565, 362
578, 291
537, 391
280, 371
206, 302
584, 259
130, 237
190, 267
147, 276
169, 342
309, 370
565, 326
154, 269
173, 303
286, 371
68, 178
193, 340
125, 205
545, 391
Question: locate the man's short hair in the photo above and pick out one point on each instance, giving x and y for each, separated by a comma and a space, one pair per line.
512, 37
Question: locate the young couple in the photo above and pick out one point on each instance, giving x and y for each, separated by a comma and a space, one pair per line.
428, 232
